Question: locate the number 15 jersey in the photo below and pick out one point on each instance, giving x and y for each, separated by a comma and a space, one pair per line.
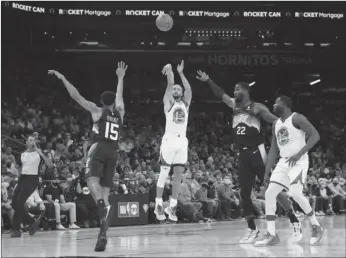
246, 127
108, 127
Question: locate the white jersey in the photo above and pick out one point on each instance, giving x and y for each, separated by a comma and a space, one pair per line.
290, 140
176, 119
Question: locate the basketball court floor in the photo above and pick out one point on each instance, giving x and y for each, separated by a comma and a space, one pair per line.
218, 239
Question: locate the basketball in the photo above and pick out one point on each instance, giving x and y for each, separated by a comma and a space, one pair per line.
164, 22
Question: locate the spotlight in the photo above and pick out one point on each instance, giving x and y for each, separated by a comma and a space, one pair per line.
314, 82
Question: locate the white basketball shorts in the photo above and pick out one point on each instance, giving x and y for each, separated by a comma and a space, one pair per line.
174, 150
286, 176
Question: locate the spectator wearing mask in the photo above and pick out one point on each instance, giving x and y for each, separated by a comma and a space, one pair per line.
325, 195
53, 193
339, 196
209, 206
227, 197
188, 208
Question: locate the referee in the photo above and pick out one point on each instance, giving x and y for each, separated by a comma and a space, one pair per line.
27, 184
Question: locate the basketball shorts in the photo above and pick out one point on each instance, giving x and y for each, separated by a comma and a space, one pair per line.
286, 176
174, 150
251, 163
101, 162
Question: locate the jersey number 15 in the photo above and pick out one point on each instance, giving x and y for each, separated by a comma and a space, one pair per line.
111, 131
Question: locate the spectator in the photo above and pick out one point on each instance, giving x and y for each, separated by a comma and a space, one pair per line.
54, 194
227, 197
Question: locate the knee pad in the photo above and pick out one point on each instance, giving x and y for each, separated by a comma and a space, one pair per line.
163, 176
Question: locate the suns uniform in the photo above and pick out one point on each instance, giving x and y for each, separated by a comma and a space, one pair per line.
102, 155
174, 146
290, 141
249, 142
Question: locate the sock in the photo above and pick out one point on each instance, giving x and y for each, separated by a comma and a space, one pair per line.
313, 220
173, 203
292, 216
158, 201
251, 222
271, 227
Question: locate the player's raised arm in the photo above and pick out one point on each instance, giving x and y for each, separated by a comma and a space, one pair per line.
218, 91
188, 92
168, 97
119, 100
88, 105
265, 114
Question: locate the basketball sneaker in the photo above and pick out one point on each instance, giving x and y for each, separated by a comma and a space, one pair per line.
101, 242
250, 236
268, 239
297, 232
317, 234
160, 215
171, 212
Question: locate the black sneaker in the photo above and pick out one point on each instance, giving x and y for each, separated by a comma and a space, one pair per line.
34, 227
101, 243
16, 234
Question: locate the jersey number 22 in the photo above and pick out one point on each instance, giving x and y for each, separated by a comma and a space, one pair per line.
241, 130
111, 131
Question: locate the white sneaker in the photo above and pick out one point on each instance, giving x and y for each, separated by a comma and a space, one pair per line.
317, 234
60, 227
171, 212
250, 236
73, 226
160, 215
297, 232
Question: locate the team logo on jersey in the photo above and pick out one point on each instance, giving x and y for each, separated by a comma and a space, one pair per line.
283, 136
241, 118
179, 115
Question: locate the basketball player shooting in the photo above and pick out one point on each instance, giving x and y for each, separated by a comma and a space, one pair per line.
247, 116
174, 146
291, 171
102, 156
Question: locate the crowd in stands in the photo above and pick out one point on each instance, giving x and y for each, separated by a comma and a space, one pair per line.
210, 188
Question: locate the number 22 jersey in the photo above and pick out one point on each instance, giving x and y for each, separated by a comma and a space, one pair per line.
108, 128
246, 127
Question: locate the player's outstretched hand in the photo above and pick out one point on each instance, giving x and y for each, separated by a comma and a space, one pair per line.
56, 73
122, 67
202, 76
167, 68
180, 67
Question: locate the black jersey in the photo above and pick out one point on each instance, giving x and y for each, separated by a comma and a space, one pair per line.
108, 127
246, 127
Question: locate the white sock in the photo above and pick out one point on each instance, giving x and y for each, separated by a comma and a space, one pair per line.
173, 203
158, 201
313, 220
271, 227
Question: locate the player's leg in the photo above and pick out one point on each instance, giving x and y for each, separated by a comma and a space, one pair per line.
106, 183
178, 164
166, 157
297, 175
278, 182
246, 182
94, 171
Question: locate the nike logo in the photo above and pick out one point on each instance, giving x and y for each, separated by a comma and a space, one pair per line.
255, 152
108, 209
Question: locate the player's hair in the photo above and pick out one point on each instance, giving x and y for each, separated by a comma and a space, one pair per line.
108, 98
287, 101
244, 86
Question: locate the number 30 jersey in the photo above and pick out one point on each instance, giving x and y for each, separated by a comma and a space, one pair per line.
108, 127
246, 127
